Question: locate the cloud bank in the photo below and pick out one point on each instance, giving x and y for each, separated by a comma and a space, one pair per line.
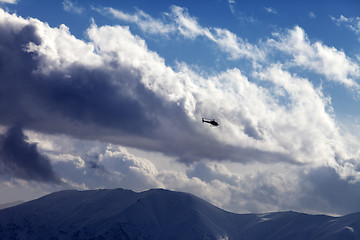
115, 89
112, 88
239, 188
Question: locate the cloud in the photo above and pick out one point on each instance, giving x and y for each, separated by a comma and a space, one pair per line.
124, 90
312, 15
210, 171
22, 159
79, 92
351, 23
231, 6
317, 57
252, 187
227, 41
143, 20
137, 173
265, 188
326, 191
70, 6
124, 169
115, 90
270, 10
8, 1
187, 26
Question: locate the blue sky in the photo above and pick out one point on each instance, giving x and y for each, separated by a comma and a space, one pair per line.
104, 94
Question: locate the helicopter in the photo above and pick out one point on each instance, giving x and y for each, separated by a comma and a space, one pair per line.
213, 122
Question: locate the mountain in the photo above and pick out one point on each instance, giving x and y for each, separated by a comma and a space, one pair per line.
10, 204
159, 214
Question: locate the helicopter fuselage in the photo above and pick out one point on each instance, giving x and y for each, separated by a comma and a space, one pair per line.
212, 122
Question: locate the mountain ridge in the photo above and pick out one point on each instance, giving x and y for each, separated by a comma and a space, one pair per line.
10, 204
159, 214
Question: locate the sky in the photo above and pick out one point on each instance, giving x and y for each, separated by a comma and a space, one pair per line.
107, 94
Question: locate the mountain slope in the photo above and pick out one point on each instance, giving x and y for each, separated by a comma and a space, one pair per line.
10, 204
159, 214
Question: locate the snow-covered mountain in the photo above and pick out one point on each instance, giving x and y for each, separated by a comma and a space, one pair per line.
158, 215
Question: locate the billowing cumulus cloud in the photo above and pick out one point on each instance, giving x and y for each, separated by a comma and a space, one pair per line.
115, 84
118, 86
243, 188
113, 89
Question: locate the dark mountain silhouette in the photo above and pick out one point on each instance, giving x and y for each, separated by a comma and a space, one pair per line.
159, 214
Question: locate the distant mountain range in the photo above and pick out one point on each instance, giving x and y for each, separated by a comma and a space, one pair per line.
159, 215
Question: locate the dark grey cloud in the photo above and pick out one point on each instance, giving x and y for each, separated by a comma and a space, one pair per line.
89, 97
72, 102
22, 159
15, 68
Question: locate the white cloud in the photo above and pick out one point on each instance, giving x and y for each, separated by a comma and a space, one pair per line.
239, 188
315, 137
8, 1
231, 6
141, 174
181, 22
143, 20
351, 23
328, 61
270, 10
188, 26
228, 42
236, 47
59, 49
70, 6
